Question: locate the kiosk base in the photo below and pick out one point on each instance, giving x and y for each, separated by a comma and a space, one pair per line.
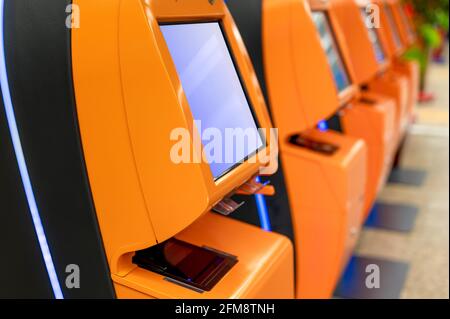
264, 269
327, 196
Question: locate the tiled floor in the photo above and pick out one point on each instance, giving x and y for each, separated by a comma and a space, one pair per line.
426, 248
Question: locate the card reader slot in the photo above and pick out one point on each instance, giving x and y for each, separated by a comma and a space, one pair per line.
366, 100
314, 145
198, 267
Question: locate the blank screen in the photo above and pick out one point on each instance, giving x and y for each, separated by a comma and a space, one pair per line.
214, 92
374, 38
330, 47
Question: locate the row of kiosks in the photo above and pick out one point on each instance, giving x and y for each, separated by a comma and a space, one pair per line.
386, 22
341, 99
162, 86
325, 171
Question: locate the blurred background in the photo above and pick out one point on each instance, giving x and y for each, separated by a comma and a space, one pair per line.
426, 248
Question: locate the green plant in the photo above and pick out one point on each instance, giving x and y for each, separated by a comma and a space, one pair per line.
430, 17
430, 11
432, 21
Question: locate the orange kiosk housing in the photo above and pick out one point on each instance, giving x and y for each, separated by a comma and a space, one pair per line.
325, 172
129, 99
366, 114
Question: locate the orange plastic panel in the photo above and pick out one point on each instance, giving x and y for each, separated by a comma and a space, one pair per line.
396, 86
264, 271
385, 27
411, 70
373, 120
129, 99
121, 210
299, 80
327, 203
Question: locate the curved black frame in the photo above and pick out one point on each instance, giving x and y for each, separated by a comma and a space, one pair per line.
248, 18
39, 65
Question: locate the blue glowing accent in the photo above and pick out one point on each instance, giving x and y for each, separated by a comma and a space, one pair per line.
10, 116
262, 211
323, 126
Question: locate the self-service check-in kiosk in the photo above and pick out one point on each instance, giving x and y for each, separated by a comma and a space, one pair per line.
372, 65
325, 171
144, 77
366, 115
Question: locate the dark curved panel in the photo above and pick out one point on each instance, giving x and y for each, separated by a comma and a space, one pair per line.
38, 56
18, 244
334, 123
247, 15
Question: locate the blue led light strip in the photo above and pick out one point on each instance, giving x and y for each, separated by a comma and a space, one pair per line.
263, 213
22, 165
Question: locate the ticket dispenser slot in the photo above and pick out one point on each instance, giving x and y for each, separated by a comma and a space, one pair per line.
254, 186
145, 82
227, 206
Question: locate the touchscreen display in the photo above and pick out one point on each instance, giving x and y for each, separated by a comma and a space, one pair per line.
215, 93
